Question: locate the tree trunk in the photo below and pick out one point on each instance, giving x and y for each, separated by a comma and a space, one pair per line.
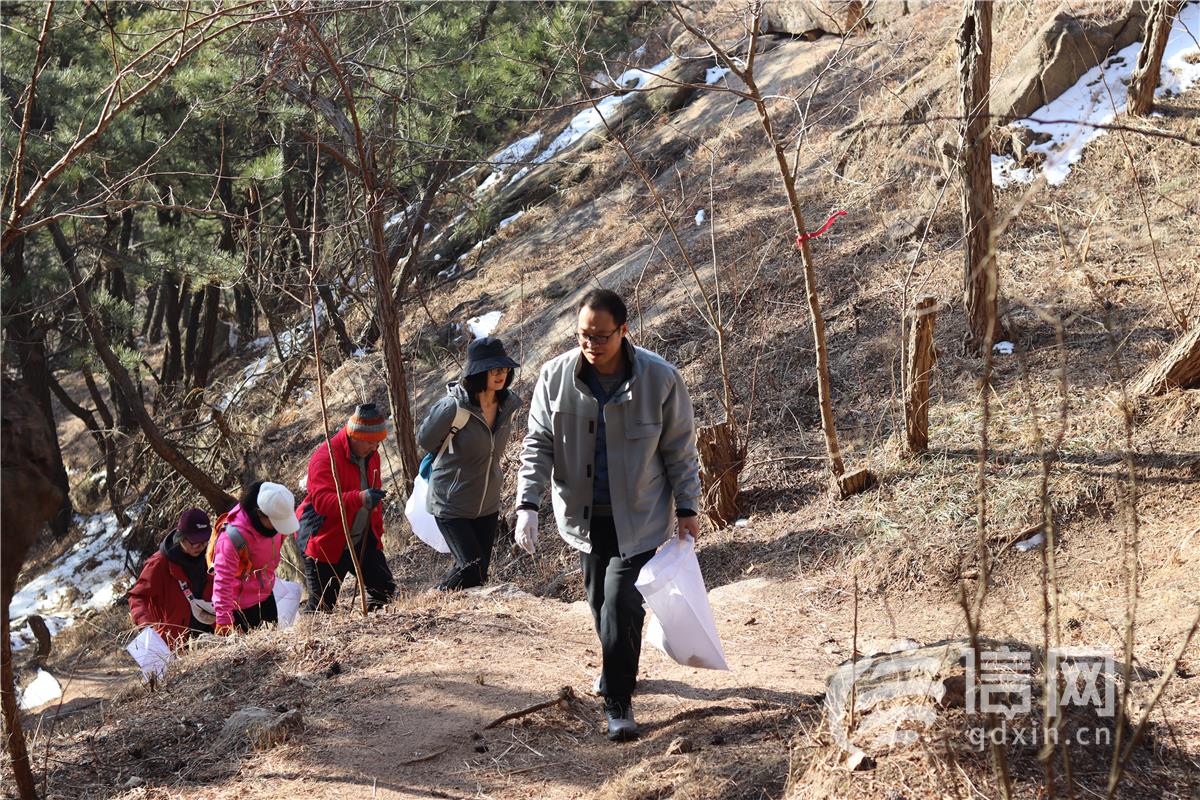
151, 311
195, 311
243, 301
101, 437
721, 460
28, 345
824, 394
980, 280
1179, 367
921, 358
1144, 80
217, 498
212, 308
28, 498
18, 753
172, 369
335, 318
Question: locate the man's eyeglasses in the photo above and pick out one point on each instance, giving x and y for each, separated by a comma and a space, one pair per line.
596, 338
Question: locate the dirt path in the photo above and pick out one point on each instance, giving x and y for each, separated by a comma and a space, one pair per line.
405, 719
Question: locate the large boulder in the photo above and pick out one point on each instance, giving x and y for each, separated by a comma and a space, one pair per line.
1058, 54
813, 18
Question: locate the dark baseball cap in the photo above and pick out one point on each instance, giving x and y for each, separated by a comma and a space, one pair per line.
194, 525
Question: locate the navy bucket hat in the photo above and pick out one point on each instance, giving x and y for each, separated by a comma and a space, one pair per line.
487, 353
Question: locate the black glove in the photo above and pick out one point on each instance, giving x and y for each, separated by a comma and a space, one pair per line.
310, 523
373, 497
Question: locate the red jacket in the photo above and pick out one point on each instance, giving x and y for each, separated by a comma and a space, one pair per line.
157, 600
328, 543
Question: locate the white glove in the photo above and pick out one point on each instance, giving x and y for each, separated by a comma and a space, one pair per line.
527, 530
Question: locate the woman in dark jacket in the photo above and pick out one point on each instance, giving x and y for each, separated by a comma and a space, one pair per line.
464, 486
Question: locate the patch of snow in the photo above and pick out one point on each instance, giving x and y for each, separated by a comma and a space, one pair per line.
593, 117
504, 223
290, 342
1032, 543
41, 690
1003, 348
742, 522
437, 256
492, 180
89, 577
428, 225
714, 74
1005, 172
517, 151
1098, 97
699, 218
358, 353
302, 484
514, 153
637, 54
484, 324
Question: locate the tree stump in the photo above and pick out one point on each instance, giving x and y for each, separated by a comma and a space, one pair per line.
722, 456
855, 481
1179, 367
921, 358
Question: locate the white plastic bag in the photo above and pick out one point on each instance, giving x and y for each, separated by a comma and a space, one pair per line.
151, 653
422, 522
287, 600
682, 626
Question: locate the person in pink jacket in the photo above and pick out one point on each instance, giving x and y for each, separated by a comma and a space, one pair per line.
246, 555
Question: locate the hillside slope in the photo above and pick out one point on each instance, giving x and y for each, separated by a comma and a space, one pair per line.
1084, 265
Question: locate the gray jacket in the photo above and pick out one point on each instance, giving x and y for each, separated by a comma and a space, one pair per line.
651, 440
466, 480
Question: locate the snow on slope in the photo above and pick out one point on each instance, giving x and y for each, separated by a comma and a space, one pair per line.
1096, 99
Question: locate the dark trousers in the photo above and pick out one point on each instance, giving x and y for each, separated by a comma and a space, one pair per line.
616, 608
470, 541
255, 616
325, 580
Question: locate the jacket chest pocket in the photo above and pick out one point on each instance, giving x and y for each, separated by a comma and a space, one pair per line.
574, 442
644, 470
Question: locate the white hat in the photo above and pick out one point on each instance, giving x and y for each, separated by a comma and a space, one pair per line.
280, 507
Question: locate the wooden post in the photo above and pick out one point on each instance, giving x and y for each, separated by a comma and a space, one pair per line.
722, 457
921, 358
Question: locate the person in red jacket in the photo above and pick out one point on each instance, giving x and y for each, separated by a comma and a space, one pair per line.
173, 594
322, 537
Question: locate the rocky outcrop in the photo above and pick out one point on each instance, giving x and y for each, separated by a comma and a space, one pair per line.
1058, 54
813, 18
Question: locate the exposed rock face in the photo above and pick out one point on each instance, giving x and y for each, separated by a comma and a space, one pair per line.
813, 18
1058, 54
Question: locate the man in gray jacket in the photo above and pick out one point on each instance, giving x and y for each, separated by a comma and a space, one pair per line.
611, 432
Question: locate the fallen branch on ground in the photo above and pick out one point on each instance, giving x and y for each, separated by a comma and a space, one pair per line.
566, 696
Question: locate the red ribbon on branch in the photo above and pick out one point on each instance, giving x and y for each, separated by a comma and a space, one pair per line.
804, 237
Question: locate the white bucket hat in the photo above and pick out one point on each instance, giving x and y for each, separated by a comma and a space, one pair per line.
280, 507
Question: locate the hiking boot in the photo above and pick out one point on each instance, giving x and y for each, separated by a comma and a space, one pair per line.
621, 725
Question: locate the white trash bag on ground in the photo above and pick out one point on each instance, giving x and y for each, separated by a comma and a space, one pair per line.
151, 653
287, 600
422, 522
682, 625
